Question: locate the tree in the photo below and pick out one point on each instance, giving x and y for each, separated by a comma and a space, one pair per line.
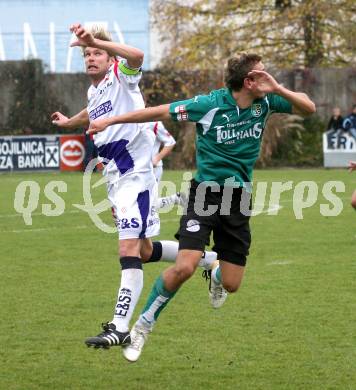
288, 33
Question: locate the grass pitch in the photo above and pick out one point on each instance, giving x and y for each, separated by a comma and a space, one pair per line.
291, 326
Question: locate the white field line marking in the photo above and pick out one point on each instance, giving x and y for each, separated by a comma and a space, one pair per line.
340, 197
274, 207
37, 214
45, 229
281, 262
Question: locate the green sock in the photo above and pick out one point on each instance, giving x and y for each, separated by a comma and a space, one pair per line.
157, 301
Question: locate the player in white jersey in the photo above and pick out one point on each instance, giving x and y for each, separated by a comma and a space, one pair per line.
163, 145
164, 139
126, 152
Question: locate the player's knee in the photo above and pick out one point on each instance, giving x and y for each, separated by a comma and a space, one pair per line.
123, 252
184, 271
145, 254
128, 249
231, 286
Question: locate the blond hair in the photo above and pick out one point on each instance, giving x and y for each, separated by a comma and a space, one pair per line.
99, 32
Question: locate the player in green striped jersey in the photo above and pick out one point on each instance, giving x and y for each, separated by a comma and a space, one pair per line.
229, 129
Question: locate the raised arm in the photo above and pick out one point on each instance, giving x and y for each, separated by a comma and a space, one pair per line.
150, 114
265, 83
133, 55
79, 120
300, 101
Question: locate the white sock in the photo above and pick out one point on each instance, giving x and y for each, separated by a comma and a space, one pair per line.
128, 295
208, 259
167, 201
169, 250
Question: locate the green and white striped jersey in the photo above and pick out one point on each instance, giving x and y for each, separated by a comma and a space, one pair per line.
228, 138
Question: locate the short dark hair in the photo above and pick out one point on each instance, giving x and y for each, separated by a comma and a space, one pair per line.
238, 68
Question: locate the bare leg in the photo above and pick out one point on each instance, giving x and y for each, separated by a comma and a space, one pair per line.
186, 263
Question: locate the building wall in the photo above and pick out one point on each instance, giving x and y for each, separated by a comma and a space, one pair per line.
327, 88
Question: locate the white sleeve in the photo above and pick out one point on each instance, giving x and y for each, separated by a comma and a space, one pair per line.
164, 136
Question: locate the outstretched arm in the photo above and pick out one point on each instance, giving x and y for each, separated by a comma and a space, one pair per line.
150, 114
133, 55
79, 120
352, 166
265, 83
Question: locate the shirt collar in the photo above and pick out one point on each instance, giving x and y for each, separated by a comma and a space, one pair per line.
232, 101
230, 98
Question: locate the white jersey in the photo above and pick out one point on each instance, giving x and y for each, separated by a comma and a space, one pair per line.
127, 146
162, 138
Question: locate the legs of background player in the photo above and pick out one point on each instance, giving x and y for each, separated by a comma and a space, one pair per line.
178, 198
168, 251
353, 200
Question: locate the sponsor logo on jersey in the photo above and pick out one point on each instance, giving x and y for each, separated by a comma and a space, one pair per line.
100, 110
256, 110
153, 221
182, 114
226, 117
153, 211
193, 226
106, 85
229, 135
125, 223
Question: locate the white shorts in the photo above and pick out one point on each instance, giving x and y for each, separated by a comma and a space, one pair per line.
133, 200
158, 171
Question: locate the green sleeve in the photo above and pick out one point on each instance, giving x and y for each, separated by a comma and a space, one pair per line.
279, 104
191, 110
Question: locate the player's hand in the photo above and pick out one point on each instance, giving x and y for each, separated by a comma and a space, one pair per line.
352, 166
97, 126
263, 82
155, 160
85, 38
59, 119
